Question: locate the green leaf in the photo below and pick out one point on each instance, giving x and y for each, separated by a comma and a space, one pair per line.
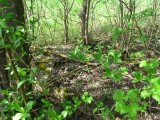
123, 70
87, 98
118, 95
64, 114
142, 38
133, 109
145, 94
133, 95
154, 63
111, 53
77, 101
4, 1
16, 106
155, 82
29, 106
117, 76
18, 116
2, 43
143, 106
20, 83
138, 76
105, 113
7, 16
2, 24
95, 110
139, 54
21, 71
143, 63
148, 12
121, 107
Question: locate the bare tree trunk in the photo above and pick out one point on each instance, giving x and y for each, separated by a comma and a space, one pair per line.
155, 5
67, 10
66, 21
87, 21
84, 15
132, 8
121, 13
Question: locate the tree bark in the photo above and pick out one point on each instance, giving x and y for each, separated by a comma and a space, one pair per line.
67, 8
84, 15
15, 7
4, 79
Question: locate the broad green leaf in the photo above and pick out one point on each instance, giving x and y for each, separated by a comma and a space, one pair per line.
111, 53
143, 38
20, 83
143, 106
7, 16
94, 110
2, 42
133, 109
2, 24
132, 95
123, 70
105, 113
86, 97
16, 106
18, 116
155, 82
64, 114
145, 94
121, 107
154, 63
118, 95
143, 63
117, 76
77, 101
139, 54
138, 76
29, 106
21, 71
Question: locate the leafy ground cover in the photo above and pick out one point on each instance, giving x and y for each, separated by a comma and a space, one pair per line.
110, 85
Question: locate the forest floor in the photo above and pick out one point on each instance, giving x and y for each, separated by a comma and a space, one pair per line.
66, 77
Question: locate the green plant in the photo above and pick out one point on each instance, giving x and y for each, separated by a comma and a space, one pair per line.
103, 110
80, 53
129, 103
14, 108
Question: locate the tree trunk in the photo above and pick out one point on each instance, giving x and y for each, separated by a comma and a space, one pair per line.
66, 21
84, 15
4, 79
17, 8
121, 13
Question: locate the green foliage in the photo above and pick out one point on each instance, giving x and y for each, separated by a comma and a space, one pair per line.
116, 33
128, 103
115, 56
87, 98
147, 12
105, 111
80, 53
137, 56
15, 110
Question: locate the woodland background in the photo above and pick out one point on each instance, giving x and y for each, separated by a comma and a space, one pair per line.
79, 59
